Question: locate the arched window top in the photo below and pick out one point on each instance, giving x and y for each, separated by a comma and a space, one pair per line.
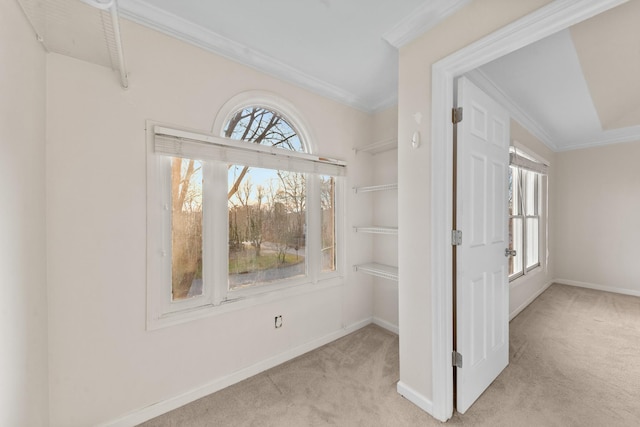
262, 125
247, 115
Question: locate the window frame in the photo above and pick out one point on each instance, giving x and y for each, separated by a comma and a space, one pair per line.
216, 296
523, 216
539, 211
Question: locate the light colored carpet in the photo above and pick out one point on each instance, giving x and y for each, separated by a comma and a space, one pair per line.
575, 361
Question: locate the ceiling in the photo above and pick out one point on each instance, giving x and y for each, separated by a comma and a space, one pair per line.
345, 50
574, 89
577, 88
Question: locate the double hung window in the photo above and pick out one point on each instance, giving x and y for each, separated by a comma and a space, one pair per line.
525, 189
247, 213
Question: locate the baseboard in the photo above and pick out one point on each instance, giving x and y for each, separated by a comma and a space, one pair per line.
529, 300
386, 325
416, 398
623, 291
144, 414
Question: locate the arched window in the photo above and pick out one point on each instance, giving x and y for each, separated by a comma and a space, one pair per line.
248, 212
262, 125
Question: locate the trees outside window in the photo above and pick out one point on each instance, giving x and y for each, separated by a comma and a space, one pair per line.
278, 228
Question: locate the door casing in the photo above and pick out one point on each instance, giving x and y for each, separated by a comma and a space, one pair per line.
548, 20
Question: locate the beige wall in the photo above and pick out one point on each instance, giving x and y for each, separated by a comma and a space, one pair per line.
596, 210
103, 362
478, 19
525, 289
23, 300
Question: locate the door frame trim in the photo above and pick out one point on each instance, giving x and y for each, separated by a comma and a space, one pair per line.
554, 17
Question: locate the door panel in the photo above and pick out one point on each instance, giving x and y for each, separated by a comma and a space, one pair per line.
482, 291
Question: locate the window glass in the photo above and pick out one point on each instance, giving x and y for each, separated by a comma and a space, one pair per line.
524, 220
532, 242
267, 226
263, 126
516, 243
267, 207
186, 228
529, 192
328, 233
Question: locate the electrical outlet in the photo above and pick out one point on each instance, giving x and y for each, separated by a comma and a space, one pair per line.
278, 321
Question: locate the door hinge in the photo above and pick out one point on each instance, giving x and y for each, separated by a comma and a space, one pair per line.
456, 237
456, 115
456, 359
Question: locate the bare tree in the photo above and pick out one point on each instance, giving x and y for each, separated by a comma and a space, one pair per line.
259, 126
186, 227
255, 229
293, 195
327, 204
256, 125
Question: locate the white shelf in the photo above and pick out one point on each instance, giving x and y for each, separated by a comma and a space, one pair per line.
374, 229
371, 188
87, 30
378, 147
378, 270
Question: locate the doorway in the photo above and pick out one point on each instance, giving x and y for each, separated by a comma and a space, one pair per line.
552, 18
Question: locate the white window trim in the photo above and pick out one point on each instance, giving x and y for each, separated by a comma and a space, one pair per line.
543, 213
161, 312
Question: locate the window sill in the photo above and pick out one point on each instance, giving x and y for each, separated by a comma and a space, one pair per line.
200, 312
526, 277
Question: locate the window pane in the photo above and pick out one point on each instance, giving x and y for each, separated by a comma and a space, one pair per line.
186, 228
327, 204
515, 242
262, 126
267, 225
514, 191
530, 193
532, 242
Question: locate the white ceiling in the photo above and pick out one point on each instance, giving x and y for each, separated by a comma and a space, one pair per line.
338, 48
544, 86
545, 82
575, 89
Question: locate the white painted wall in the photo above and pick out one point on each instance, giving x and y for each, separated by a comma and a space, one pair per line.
525, 289
103, 363
597, 211
475, 21
23, 304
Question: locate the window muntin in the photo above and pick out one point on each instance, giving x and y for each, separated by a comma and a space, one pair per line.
524, 221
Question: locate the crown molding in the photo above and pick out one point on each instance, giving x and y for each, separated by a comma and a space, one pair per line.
481, 80
421, 20
385, 103
160, 20
607, 137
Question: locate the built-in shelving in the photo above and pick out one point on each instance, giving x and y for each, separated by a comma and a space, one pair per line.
378, 147
373, 268
378, 270
374, 229
371, 188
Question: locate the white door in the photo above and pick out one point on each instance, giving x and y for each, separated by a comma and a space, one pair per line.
482, 284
